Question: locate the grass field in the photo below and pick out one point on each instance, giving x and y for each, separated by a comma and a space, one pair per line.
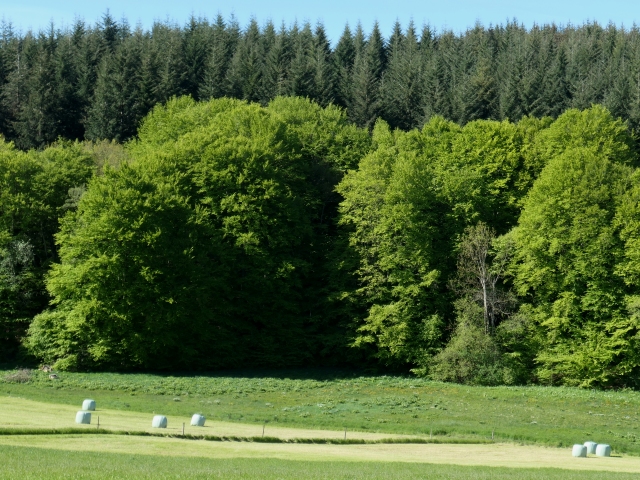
30, 462
526, 422
389, 405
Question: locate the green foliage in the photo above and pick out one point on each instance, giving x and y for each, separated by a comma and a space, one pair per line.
204, 250
34, 189
472, 356
404, 210
568, 250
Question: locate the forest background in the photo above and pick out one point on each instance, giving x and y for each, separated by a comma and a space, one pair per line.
461, 206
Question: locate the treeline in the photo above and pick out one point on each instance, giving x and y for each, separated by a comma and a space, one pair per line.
230, 234
98, 81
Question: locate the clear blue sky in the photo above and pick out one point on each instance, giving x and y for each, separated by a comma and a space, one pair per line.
457, 15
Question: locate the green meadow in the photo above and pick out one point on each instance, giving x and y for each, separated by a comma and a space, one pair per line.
25, 462
337, 400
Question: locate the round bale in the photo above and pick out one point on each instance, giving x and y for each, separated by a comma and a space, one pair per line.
603, 450
579, 451
89, 405
83, 417
159, 421
197, 420
591, 447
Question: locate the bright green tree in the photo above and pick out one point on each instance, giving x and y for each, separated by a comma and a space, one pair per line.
568, 249
201, 252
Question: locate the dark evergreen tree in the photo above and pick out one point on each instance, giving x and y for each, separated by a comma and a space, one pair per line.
324, 90
8, 63
195, 52
368, 66
557, 95
403, 82
439, 78
172, 73
223, 43
276, 67
116, 107
245, 71
343, 58
41, 108
301, 68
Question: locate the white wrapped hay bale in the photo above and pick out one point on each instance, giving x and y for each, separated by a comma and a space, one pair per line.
159, 421
83, 417
89, 405
603, 450
197, 420
579, 451
591, 447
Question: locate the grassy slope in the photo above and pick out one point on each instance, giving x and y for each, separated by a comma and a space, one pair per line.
550, 416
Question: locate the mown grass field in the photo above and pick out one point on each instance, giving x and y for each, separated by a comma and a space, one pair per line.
525, 421
30, 462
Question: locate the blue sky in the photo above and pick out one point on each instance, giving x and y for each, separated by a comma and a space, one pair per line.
457, 15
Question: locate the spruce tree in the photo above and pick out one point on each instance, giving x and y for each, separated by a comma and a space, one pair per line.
403, 82
324, 90
223, 42
302, 68
195, 52
116, 108
479, 100
172, 73
439, 78
276, 67
9, 62
244, 75
343, 58
40, 111
368, 66
535, 66
557, 95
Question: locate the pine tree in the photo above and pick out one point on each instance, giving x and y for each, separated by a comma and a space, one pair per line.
479, 94
9, 61
276, 67
439, 78
172, 73
301, 69
403, 81
368, 66
223, 42
245, 71
116, 108
324, 90
195, 52
39, 113
343, 58
532, 82
557, 95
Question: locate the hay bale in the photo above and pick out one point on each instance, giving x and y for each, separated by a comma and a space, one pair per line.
591, 447
89, 405
603, 450
83, 417
579, 451
159, 421
197, 420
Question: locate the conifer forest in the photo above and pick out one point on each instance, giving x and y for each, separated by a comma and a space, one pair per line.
464, 207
